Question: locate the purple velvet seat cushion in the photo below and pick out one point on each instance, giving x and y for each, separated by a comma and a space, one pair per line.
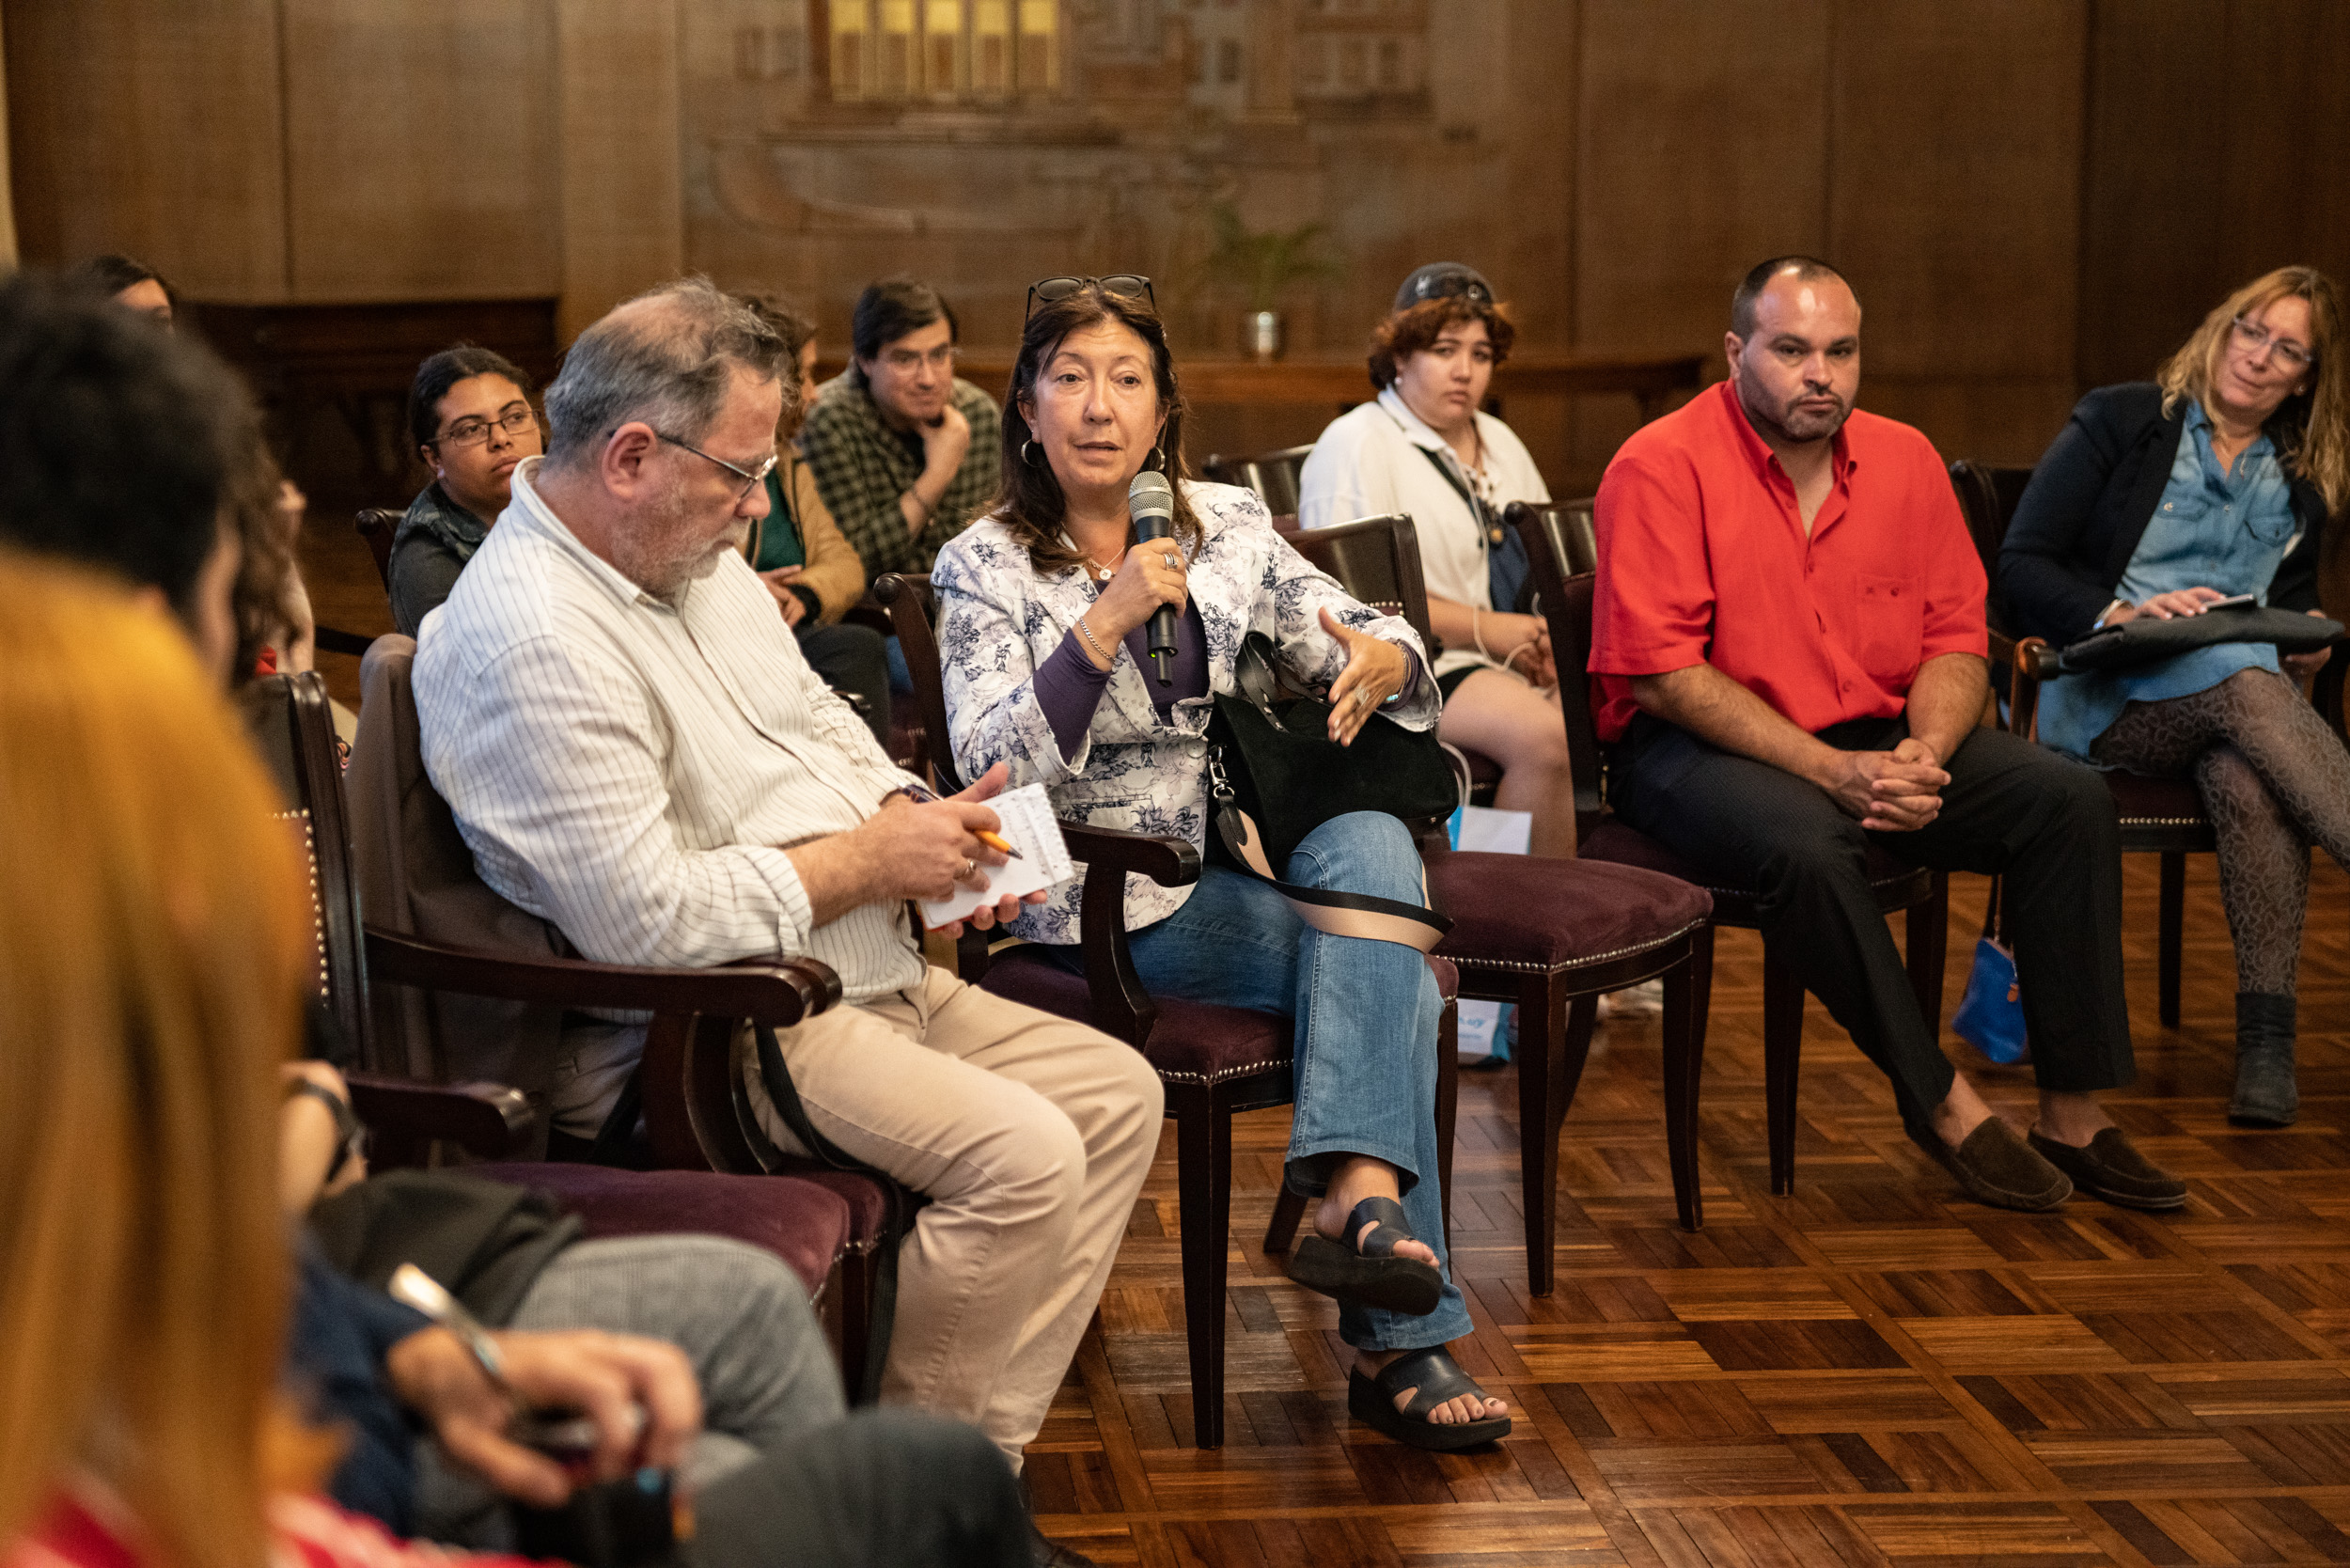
1613, 842
1192, 1041
1521, 909
804, 1223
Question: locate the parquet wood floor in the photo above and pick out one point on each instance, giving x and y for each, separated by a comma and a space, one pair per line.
1873, 1370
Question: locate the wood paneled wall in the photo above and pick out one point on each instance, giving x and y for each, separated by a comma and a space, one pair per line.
2032, 195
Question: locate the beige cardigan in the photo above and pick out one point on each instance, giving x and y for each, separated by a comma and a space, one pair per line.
834, 573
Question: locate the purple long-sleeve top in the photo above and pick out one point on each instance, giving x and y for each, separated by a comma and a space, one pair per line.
1069, 685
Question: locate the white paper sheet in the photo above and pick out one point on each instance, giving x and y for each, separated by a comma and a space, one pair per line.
1032, 829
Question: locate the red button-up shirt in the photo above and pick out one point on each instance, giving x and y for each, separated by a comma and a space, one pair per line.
1703, 560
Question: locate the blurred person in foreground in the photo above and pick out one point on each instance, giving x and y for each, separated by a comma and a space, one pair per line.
154, 942
160, 422
2158, 498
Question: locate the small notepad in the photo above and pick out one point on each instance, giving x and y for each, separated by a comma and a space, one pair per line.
1031, 828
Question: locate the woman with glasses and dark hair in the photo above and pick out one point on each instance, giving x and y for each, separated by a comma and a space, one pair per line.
469, 414
1044, 608
2160, 498
1422, 448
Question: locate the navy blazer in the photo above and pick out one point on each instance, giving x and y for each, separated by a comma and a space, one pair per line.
2079, 522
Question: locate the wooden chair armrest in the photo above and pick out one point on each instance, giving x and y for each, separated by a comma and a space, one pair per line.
1120, 1005
489, 1121
779, 994
2034, 661
1169, 862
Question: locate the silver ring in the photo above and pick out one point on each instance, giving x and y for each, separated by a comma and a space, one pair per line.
1169, 559
968, 868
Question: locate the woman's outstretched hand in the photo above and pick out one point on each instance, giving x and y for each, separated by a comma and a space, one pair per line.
1375, 672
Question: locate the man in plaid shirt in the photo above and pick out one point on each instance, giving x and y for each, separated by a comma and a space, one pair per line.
903, 451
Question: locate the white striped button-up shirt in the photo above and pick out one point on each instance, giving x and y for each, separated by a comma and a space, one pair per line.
630, 770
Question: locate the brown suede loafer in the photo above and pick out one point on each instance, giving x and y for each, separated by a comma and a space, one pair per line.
2111, 1169
1997, 1168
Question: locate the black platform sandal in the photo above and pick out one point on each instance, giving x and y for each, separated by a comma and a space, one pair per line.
1371, 1274
1433, 1377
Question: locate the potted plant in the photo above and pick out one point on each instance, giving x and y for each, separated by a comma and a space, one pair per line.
1260, 264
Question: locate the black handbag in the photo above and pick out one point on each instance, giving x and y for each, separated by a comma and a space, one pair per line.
1275, 775
2147, 640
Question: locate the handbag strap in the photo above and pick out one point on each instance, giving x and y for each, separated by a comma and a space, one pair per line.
1489, 532
1332, 913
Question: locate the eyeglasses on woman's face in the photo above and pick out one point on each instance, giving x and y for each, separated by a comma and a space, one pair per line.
2252, 337
752, 478
1051, 291
473, 432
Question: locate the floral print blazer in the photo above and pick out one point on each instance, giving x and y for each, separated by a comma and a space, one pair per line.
998, 620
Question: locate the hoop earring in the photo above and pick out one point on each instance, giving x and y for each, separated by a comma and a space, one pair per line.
1156, 460
1028, 451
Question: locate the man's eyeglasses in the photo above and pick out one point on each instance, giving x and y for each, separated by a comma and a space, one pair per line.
1051, 291
1445, 286
473, 432
939, 358
752, 478
2287, 353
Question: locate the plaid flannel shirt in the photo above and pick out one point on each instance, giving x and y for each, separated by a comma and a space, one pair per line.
862, 467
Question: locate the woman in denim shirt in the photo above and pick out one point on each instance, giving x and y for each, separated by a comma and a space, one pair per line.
2157, 499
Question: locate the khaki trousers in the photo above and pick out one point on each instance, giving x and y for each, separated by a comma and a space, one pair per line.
1032, 1136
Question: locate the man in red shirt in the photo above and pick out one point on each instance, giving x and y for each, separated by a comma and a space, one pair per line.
1788, 636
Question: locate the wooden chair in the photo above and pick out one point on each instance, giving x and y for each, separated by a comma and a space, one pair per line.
1924, 893
1215, 1062
1987, 498
1271, 475
1574, 530
2158, 816
377, 525
1551, 935
1364, 556
696, 1109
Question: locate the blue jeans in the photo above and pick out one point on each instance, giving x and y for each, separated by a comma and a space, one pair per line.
1365, 1021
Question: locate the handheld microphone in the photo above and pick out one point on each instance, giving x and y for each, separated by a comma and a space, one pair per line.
1150, 501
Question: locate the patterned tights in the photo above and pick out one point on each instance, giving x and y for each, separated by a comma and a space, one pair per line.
2273, 780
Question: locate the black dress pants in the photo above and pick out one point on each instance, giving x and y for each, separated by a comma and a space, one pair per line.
2013, 808
879, 1489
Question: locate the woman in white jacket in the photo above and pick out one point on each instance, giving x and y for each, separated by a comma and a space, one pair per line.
1424, 449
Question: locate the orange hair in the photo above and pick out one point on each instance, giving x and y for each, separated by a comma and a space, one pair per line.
153, 938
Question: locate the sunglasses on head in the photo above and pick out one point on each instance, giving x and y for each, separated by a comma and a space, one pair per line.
1445, 286
1051, 291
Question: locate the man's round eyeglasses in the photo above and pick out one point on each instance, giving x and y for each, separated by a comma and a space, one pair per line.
473, 432
2289, 354
752, 478
1050, 290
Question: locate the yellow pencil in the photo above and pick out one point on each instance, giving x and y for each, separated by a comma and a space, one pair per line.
997, 842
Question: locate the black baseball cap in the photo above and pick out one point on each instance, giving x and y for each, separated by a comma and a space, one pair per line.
1440, 280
